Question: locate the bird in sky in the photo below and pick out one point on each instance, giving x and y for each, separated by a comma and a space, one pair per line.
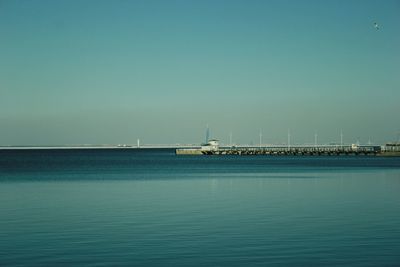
376, 26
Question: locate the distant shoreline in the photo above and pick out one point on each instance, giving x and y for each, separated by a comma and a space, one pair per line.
179, 149
96, 147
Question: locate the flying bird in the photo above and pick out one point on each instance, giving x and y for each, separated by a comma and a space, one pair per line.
376, 26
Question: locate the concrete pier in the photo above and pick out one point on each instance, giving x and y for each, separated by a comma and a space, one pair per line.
288, 151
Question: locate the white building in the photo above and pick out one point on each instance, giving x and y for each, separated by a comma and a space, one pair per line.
212, 145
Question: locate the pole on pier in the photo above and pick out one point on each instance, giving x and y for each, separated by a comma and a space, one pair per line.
260, 138
315, 139
288, 138
138, 143
341, 139
207, 134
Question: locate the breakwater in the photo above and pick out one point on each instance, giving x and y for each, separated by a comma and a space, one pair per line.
284, 150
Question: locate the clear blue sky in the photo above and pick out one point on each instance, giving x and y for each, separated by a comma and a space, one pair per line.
92, 72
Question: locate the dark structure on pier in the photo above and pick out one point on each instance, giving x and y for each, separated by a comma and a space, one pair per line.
285, 150
300, 150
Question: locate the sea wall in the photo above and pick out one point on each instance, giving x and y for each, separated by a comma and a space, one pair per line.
293, 151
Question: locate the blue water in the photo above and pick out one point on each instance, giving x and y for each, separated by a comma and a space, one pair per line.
153, 208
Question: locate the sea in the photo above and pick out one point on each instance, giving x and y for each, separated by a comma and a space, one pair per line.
150, 207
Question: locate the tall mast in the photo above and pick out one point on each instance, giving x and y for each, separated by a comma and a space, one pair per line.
207, 134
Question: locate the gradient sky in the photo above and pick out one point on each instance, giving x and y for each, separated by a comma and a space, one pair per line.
109, 72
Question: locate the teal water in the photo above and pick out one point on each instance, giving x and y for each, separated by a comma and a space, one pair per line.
152, 208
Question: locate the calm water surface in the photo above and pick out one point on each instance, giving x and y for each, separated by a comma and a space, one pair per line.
152, 208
